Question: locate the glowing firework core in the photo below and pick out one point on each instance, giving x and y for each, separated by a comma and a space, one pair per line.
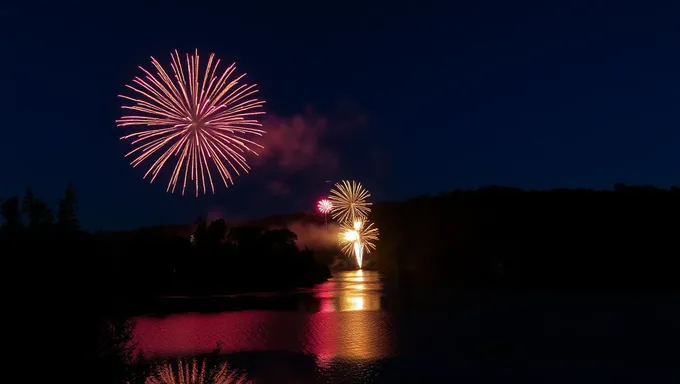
351, 235
356, 238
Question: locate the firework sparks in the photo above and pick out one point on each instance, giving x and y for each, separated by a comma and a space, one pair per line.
324, 206
356, 238
199, 121
193, 373
349, 201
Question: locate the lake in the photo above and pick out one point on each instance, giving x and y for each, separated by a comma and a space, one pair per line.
358, 327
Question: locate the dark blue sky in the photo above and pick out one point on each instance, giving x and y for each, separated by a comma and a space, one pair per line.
407, 99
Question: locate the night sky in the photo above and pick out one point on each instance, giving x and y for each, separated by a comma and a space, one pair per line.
409, 100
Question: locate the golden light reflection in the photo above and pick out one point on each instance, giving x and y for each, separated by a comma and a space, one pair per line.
353, 326
354, 291
355, 303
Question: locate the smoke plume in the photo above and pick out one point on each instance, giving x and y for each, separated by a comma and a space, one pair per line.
313, 235
303, 147
296, 143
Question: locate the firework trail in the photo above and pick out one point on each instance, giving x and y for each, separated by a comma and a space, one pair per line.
195, 117
325, 206
349, 201
192, 373
357, 237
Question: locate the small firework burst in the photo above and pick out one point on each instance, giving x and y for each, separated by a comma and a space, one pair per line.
349, 201
324, 206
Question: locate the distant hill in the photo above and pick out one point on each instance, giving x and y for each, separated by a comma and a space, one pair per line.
627, 236
494, 236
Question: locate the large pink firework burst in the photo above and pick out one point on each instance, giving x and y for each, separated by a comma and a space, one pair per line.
194, 118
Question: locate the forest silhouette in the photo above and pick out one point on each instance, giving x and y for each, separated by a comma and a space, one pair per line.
129, 267
489, 238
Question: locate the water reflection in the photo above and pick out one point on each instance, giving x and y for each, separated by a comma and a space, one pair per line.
339, 332
350, 324
344, 321
350, 291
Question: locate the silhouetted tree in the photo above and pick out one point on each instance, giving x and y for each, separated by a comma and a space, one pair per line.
244, 237
39, 215
280, 238
11, 213
67, 220
201, 232
217, 230
27, 203
114, 354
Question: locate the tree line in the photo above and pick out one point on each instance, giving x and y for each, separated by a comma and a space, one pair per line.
34, 215
47, 249
217, 258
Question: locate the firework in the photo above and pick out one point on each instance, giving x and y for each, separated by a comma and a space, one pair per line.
192, 373
357, 237
324, 206
349, 201
196, 119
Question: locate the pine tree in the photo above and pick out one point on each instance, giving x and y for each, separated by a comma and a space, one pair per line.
11, 213
40, 216
67, 219
27, 203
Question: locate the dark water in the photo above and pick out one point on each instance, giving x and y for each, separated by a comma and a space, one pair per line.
358, 328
